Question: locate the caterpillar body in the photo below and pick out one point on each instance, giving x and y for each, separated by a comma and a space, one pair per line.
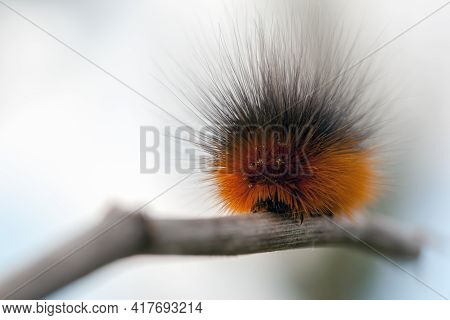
291, 123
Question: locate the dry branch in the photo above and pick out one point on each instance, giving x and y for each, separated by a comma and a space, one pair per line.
122, 235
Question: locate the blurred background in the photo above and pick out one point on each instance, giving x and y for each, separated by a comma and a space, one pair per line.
69, 145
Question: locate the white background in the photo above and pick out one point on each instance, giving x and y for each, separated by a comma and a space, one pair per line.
69, 146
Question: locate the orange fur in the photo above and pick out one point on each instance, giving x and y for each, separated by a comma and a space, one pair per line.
338, 179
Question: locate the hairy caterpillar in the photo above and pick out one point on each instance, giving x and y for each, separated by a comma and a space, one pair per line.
291, 126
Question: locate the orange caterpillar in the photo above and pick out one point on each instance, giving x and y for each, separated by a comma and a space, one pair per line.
291, 126
275, 178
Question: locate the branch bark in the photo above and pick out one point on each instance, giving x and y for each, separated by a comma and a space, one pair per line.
121, 235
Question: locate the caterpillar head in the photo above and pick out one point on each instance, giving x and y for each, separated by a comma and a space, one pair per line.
295, 172
291, 133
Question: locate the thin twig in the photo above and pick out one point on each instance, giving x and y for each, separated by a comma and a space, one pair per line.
233, 235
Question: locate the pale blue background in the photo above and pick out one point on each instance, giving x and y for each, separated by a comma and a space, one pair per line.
69, 146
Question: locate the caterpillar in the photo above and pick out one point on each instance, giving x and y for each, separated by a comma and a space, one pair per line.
291, 126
